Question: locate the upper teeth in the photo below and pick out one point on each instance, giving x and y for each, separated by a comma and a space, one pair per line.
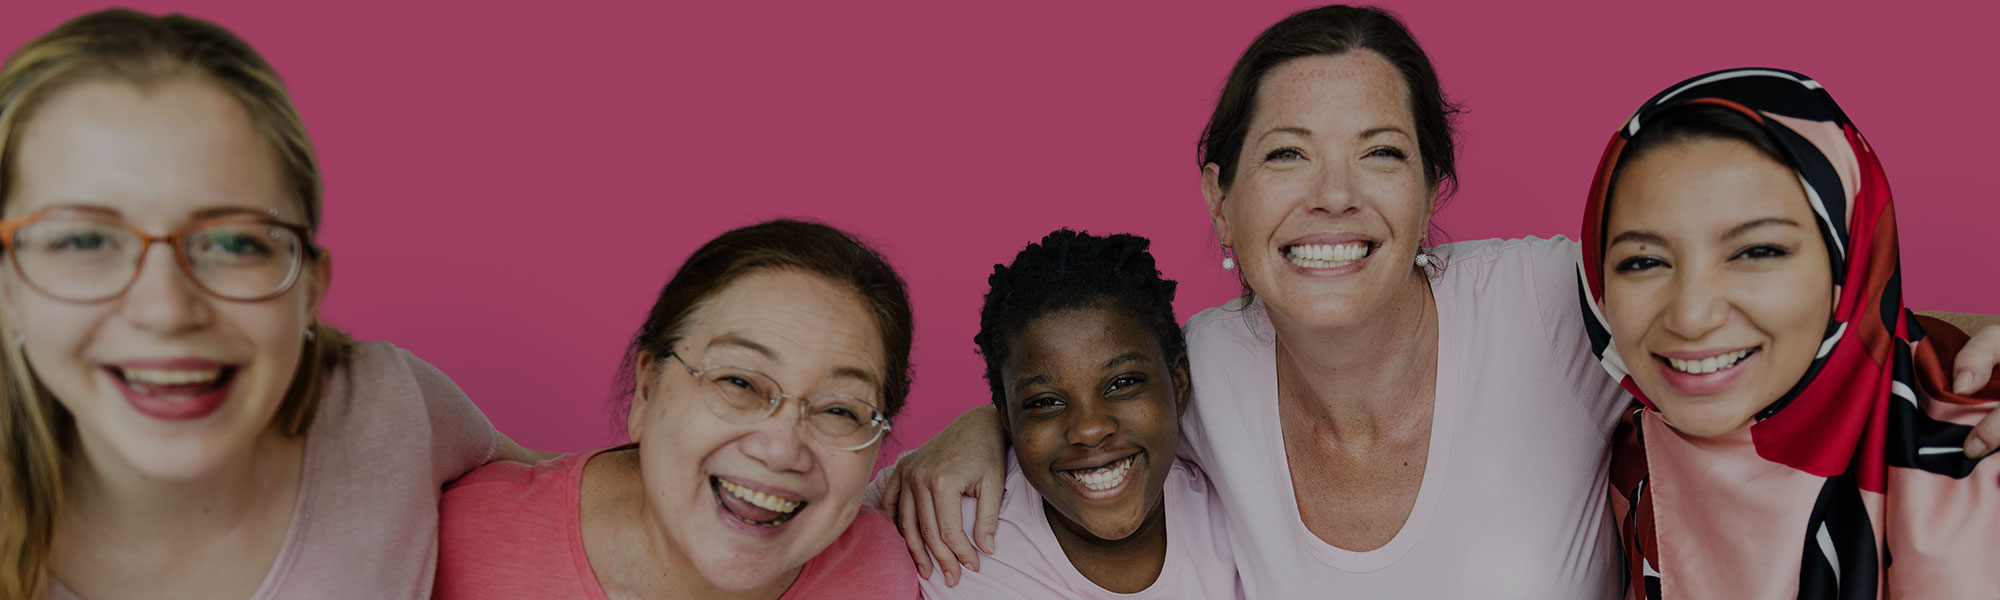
1326, 256
171, 376
762, 500
1708, 365
1105, 477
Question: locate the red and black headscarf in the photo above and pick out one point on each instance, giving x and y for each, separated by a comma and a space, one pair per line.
1809, 504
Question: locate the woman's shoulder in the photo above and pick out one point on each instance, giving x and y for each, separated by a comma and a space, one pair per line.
868, 560
509, 488
1557, 253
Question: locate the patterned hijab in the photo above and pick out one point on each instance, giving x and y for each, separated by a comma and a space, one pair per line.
1858, 467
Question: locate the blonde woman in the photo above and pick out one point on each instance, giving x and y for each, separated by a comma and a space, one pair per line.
177, 421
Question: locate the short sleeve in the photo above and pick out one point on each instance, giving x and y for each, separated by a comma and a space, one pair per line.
1558, 292
461, 437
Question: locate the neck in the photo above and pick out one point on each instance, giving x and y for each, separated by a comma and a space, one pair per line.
109, 499
1367, 378
1125, 565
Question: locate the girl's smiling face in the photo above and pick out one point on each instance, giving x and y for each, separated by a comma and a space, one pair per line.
1093, 411
165, 380
1717, 284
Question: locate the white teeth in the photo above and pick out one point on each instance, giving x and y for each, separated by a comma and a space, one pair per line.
170, 376
1326, 256
1105, 477
1710, 364
760, 499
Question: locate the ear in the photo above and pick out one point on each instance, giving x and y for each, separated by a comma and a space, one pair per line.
316, 284
642, 377
1214, 194
1183, 385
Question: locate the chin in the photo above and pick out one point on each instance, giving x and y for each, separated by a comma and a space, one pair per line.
1705, 421
746, 571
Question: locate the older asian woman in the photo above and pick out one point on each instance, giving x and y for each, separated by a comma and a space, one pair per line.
760, 387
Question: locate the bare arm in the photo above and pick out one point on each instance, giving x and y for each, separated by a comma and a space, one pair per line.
968, 458
514, 452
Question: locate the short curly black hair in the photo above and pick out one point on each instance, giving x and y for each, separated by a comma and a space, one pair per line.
1069, 270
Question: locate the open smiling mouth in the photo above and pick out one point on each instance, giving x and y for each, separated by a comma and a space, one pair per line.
752, 506
1105, 477
1328, 256
173, 385
1712, 364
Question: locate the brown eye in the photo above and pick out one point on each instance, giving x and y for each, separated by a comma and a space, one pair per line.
1284, 154
1639, 263
1762, 251
1389, 152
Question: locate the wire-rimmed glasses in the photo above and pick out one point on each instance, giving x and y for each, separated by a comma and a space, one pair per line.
741, 395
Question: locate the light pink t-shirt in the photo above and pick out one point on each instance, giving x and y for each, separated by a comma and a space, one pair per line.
1514, 500
515, 531
1028, 562
390, 431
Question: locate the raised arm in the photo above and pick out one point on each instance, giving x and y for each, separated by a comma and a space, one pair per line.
968, 458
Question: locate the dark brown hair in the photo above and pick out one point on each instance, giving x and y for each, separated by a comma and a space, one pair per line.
1332, 30
781, 244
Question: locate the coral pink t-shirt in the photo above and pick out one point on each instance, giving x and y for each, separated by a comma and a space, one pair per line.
390, 431
1515, 499
1028, 562
515, 531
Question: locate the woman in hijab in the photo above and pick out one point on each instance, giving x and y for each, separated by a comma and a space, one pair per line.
1798, 436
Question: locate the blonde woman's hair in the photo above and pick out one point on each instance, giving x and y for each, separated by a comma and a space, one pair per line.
36, 433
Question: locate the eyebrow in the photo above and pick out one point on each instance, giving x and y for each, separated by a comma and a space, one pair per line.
1764, 222
1641, 237
1372, 132
1123, 358
732, 339
1298, 131
199, 215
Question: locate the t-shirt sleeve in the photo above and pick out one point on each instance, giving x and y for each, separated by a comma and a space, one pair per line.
1558, 292
869, 560
461, 437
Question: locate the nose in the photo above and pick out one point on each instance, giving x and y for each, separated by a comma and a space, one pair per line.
162, 299
780, 440
1695, 304
1333, 188
1090, 423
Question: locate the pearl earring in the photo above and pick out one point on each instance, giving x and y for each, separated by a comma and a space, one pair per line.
1228, 260
1423, 258
309, 333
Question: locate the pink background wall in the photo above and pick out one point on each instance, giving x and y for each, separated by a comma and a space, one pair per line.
509, 186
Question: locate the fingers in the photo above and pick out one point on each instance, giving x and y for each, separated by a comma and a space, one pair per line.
1974, 366
891, 489
927, 525
951, 519
1973, 371
988, 493
1984, 436
906, 519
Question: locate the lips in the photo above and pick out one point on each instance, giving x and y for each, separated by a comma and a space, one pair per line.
1705, 373
1104, 480
754, 506
175, 389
